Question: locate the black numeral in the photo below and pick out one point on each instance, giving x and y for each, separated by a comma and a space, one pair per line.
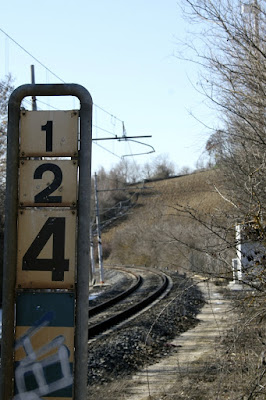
44, 195
48, 128
57, 264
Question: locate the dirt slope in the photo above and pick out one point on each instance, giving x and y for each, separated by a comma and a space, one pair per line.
149, 234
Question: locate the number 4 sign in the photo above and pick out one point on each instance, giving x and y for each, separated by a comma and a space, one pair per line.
46, 252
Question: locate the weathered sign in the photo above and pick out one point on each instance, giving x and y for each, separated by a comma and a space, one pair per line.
46, 249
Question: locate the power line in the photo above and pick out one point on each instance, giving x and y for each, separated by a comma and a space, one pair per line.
107, 112
109, 151
104, 130
31, 55
95, 105
48, 69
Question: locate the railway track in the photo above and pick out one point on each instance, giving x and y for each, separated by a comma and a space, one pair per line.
148, 286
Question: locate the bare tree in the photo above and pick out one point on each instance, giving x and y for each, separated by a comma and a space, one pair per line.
158, 168
6, 88
229, 46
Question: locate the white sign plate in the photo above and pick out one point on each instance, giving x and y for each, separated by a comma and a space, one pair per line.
48, 183
48, 133
46, 248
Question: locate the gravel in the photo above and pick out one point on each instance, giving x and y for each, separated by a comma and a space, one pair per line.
147, 337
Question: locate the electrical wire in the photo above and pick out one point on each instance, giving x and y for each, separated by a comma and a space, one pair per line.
51, 72
128, 200
46, 104
109, 151
95, 105
113, 180
107, 112
104, 130
31, 55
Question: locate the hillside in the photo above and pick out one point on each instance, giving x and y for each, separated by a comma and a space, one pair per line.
184, 224
162, 229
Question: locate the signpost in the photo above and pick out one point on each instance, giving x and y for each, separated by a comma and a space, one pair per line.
46, 256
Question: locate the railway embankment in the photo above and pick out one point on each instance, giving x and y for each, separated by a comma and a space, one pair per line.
164, 379
144, 339
156, 355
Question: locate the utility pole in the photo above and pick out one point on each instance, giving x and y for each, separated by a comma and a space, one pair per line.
100, 252
33, 98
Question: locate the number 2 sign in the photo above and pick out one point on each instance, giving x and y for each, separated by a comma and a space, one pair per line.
47, 199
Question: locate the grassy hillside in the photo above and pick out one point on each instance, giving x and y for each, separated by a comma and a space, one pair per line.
163, 227
186, 225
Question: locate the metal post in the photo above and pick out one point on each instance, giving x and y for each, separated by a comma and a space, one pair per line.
100, 252
238, 252
83, 260
10, 242
234, 269
33, 98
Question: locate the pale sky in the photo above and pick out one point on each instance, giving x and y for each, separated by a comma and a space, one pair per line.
122, 51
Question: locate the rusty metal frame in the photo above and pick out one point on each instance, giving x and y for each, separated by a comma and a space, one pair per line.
10, 243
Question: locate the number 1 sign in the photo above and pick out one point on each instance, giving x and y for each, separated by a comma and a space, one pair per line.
49, 133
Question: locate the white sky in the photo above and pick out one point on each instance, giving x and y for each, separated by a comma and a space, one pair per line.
122, 52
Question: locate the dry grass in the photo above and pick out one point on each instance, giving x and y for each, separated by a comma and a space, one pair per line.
152, 234
195, 190
154, 229
235, 371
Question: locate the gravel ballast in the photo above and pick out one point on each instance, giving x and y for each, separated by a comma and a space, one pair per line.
145, 338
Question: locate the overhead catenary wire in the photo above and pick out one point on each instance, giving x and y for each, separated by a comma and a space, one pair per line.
125, 188
127, 208
61, 80
107, 112
32, 56
115, 118
115, 207
49, 70
109, 151
104, 130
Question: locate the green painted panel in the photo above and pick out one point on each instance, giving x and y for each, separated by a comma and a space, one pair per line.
32, 307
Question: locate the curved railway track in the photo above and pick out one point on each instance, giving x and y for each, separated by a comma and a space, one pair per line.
149, 285
137, 281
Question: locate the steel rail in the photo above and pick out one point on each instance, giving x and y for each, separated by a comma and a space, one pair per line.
108, 323
114, 300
